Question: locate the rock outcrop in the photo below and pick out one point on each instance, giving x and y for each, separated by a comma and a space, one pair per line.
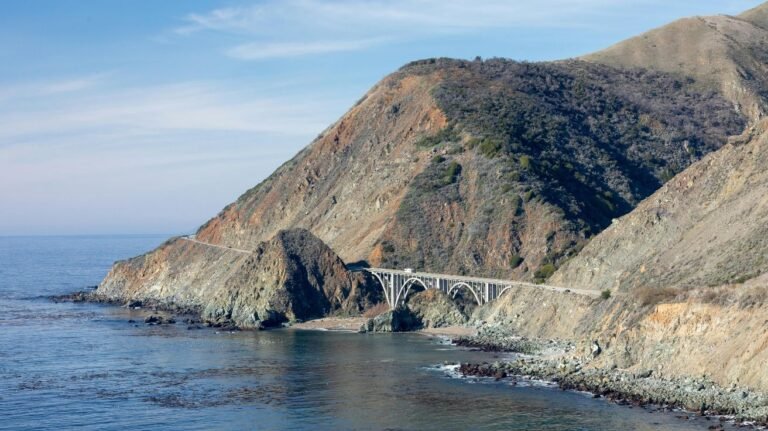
426, 309
435, 309
293, 276
400, 319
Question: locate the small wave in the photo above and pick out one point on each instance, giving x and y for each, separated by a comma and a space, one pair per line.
450, 370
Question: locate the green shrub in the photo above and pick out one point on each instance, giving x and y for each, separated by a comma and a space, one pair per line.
605, 203
525, 162
473, 142
438, 159
490, 148
515, 261
530, 194
544, 272
605, 294
456, 149
655, 295
447, 134
451, 173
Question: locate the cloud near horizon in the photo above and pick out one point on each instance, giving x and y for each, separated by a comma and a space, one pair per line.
62, 107
182, 149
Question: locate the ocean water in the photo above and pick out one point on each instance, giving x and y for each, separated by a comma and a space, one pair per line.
84, 366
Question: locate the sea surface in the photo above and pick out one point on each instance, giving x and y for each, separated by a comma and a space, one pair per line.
84, 366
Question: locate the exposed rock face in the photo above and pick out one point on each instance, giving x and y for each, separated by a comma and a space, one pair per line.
294, 276
400, 319
180, 272
538, 312
435, 309
426, 309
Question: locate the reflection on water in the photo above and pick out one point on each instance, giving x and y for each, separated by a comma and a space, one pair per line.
75, 366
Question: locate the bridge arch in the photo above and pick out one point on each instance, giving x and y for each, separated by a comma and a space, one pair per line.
504, 290
456, 286
384, 286
406, 288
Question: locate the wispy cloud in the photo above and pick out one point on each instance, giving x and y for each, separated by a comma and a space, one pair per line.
317, 26
198, 106
261, 50
415, 16
74, 84
178, 151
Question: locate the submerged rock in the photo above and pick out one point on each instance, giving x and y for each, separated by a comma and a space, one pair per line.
158, 320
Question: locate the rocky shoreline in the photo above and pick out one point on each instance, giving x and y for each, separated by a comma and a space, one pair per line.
571, 371
92, 297
562, 363
157, 313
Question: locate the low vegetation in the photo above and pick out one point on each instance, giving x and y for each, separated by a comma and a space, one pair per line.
380, 308
544, 272
447, 134
515, 261
647, 296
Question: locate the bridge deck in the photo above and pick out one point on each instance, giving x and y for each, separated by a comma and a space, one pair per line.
481, 280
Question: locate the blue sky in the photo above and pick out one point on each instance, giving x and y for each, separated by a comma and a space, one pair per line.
150, 116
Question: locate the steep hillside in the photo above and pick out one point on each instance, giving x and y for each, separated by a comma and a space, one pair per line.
723, 52
706, 227
538, 157
757, 16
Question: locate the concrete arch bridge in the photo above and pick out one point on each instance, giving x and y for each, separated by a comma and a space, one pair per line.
398, 284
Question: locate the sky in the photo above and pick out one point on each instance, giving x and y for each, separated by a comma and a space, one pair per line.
146, 116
